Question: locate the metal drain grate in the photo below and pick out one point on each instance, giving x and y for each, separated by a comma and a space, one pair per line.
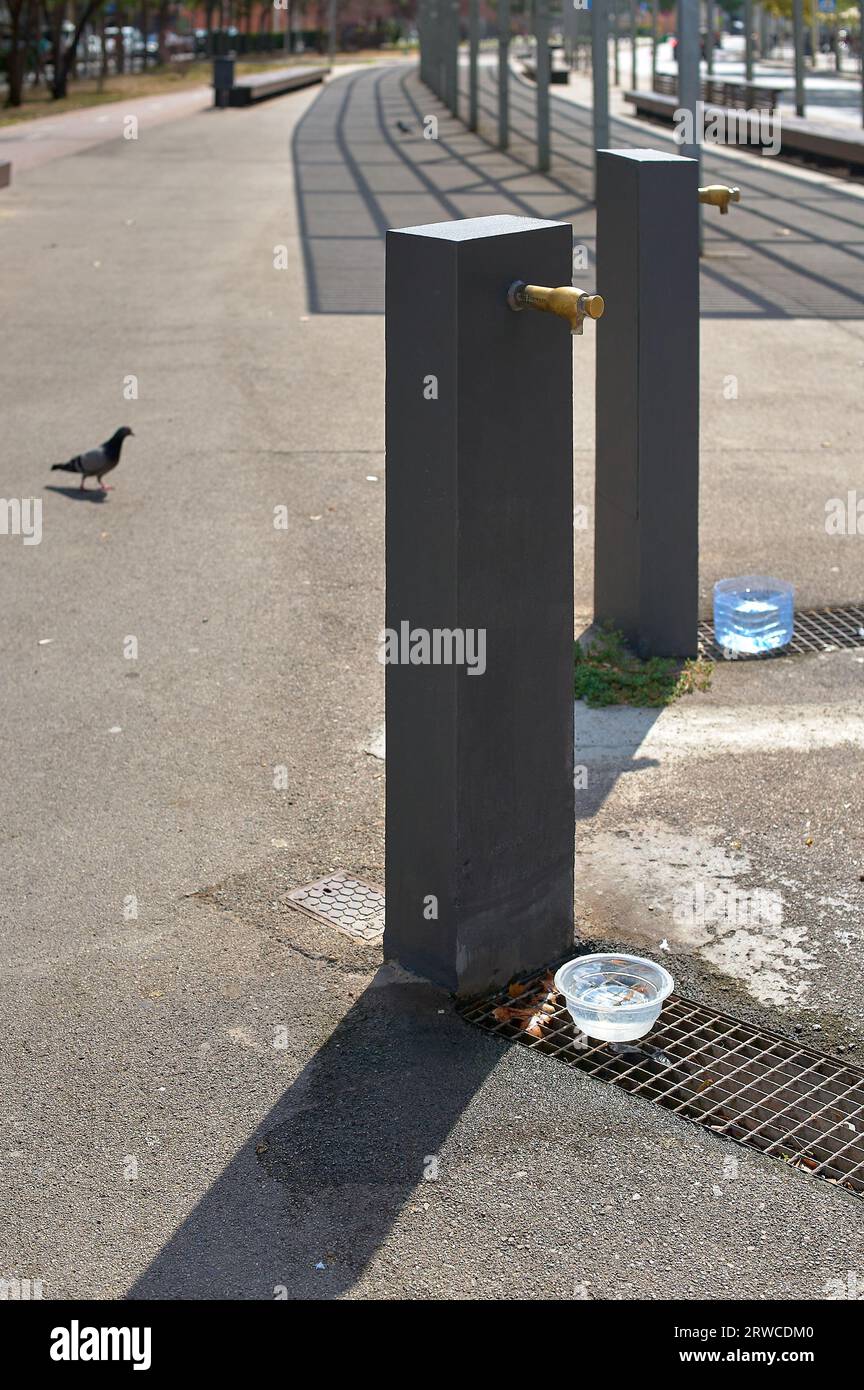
755, 1087
345, 902
821, 630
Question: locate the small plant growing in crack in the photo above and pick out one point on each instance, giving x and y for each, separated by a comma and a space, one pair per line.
607, 673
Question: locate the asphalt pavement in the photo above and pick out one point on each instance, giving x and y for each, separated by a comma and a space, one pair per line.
206, 1094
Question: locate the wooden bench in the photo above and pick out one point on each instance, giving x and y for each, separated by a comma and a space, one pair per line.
558, 75
827, 144
737, 96
251, 87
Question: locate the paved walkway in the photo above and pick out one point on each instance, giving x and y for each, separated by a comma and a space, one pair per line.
208, 1096
31, 143
793, 248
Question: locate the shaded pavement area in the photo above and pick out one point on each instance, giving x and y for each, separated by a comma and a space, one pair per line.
794, 247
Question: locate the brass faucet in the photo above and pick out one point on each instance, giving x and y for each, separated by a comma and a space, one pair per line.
566, 301
719, 196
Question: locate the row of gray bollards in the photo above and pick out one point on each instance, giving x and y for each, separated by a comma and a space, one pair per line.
479, 546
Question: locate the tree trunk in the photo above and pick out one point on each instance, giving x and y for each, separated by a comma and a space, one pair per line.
103, 57
16, 55
161, 22
64, 59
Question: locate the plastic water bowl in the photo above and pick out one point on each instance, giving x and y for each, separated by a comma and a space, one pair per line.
614, 998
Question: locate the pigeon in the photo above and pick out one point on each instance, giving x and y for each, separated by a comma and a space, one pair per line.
97, 462
405, 129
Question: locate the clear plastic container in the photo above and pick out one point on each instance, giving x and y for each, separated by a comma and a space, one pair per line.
753, 613
615, 998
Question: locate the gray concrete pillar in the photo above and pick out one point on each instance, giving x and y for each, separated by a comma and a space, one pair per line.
473, 58
798, 39
452, 61
647, 499
600, 72
688, 71
479, 540
425, 39
654, 42
541, 36
503, 74
223, 80
709, 38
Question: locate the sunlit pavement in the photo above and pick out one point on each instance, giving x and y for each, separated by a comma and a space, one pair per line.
205, 1094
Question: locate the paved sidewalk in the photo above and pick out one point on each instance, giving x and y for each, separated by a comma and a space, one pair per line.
214, 1097
31, 143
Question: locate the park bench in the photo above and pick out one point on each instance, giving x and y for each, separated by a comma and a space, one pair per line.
5, 173
739, 96
252, 87
556, 74
836, 145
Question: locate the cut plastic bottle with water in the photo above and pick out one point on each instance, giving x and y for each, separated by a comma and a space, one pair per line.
753, 614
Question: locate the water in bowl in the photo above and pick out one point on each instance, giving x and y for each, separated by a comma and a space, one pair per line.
753, 614
611, 993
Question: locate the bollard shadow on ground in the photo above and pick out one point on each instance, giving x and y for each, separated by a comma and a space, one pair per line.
606, 747
307, 1202
607, 743
362, 165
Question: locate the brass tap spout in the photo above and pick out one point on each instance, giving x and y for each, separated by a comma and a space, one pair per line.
566, 301
719, 196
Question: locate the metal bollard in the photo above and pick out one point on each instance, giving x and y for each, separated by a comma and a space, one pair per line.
479, 548
646, 546
223, 80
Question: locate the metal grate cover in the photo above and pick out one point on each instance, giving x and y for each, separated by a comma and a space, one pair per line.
820, 630
345, 902
750, 1085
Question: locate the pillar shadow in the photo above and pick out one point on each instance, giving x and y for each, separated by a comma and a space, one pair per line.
607, 743
307, 1201
792, 248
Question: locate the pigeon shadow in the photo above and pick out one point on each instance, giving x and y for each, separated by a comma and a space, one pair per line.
76, 495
